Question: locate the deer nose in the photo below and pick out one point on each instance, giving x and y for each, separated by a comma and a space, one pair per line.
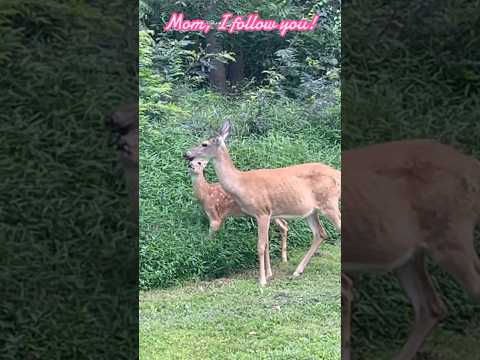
187, 156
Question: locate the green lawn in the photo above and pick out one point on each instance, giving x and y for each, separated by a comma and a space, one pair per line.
233, 318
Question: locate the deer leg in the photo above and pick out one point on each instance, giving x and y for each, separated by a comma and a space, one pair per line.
459, 258
268, 267
332, 213
347, 288
429, 308
318, 235
283, 226
263, 223
215, 224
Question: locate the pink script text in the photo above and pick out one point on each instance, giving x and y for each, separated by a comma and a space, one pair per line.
231, 24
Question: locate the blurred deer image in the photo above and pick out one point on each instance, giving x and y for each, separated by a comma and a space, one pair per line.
218, 205
299, 191
404, 200
124, 126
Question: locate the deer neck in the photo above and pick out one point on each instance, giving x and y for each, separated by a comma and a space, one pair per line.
228, 175
199, 185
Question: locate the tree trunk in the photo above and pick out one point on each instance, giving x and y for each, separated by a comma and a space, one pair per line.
236, 70
217, 74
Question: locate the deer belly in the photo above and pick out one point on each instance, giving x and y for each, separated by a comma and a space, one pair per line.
293, 209
292, 216
376, 261
382, 248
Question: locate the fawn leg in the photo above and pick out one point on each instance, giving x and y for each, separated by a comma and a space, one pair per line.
283, 226
215, 225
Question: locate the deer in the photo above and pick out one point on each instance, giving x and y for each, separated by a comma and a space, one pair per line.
404, 200
123, 122
297, 191
219, 205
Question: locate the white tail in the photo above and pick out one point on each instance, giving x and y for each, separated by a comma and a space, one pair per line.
290, 192
219, 205
402, 200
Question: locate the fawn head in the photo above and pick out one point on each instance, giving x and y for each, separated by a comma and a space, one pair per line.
196, 166
209, 149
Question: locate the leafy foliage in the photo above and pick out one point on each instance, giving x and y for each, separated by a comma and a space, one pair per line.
300, 59
63, 288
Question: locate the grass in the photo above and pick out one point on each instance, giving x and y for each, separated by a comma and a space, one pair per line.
68, 264
234, 318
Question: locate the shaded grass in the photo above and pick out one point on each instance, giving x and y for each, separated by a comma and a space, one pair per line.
67, 263
233, 318
442, 345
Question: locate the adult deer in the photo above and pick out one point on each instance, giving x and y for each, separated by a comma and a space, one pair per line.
299, 191
218, 204
403, 200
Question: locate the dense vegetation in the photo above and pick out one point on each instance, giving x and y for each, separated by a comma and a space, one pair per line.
282, 96
68, 267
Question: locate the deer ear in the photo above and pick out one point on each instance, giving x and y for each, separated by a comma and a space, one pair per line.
225, 130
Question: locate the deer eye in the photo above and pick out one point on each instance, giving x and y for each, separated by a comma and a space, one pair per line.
199, 163
204, 145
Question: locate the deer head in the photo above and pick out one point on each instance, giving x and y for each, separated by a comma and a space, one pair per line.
196, 166
209, 149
